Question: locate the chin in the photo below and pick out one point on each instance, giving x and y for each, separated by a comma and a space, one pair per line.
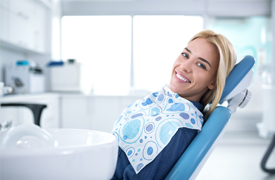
173, 88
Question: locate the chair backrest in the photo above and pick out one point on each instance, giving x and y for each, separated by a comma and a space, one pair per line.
197, 153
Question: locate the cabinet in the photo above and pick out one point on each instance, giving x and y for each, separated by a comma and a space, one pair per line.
4, 19
93, 112
50, 117
20, 18
39, 28
23, 24
77, 111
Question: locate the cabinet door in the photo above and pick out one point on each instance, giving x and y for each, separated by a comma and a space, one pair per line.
4, 4
39, 27
75, 112
9, 114
93, 112
105, 112
4, 20
19, 115
20, 22
49, 116
23, 24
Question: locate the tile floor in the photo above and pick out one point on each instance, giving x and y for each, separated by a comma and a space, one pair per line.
237, 157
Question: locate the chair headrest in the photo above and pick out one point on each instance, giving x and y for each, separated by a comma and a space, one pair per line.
239, 78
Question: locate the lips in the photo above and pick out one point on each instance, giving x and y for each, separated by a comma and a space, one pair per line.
182, 78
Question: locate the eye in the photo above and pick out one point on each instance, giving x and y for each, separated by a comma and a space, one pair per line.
185, 55
201, 65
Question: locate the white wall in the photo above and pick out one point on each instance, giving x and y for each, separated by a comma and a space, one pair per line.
9, 56
187, 7
167, 7
10, 53
244, 119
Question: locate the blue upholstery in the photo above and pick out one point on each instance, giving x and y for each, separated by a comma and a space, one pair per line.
199, 149
237, 74
196, 151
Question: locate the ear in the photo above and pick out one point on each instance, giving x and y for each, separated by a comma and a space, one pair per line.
212, 85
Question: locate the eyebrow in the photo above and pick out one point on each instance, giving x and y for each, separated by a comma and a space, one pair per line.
204, 60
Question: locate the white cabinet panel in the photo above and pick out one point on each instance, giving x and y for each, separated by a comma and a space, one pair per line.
23, 24
39, 27
9, 114
19, 33
70, 110
92, 112
50, 117
4, 4
4, 23
106, 111
21, 14
75, 112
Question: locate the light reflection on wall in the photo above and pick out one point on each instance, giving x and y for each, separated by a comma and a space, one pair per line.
250, 36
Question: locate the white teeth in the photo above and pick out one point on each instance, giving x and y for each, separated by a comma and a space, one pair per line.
182, 78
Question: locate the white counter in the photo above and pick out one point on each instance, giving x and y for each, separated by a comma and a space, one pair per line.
70, 110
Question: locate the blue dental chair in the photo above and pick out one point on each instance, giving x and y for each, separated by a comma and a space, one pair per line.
236, 94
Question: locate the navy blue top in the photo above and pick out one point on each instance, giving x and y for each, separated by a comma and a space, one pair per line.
198, 105
159, 168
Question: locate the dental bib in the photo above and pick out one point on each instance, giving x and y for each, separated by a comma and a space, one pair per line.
147, 126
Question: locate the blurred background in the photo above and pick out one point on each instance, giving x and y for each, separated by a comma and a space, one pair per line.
88, 59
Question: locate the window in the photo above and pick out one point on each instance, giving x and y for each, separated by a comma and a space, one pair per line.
158, 41
104, 45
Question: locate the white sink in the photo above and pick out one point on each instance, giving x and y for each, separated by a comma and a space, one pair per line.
29, 152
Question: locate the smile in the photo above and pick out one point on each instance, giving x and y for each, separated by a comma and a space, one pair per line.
183, 78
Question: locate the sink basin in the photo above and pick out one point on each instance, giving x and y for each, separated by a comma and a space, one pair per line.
29, 152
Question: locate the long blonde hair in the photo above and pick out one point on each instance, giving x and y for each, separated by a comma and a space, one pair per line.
227, 60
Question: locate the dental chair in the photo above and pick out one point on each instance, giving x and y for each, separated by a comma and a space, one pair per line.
236, 95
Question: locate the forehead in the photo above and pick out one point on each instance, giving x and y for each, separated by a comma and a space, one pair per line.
202, 48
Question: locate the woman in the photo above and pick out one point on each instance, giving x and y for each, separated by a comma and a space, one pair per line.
153, 133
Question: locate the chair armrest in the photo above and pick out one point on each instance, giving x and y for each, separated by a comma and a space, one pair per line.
200, 146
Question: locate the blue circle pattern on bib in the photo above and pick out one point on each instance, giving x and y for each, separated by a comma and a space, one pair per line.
147, 126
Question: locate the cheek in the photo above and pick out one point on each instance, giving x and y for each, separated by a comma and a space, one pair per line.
174, 66
213, 75
177, 61
211, 79
204, 78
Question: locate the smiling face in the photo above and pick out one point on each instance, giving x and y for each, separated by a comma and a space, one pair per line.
195, 69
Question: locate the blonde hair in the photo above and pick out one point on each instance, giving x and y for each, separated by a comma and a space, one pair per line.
227, 60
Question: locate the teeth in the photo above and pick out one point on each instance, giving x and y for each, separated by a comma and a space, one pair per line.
182, 78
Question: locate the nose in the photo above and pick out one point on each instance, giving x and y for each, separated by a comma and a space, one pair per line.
186, 66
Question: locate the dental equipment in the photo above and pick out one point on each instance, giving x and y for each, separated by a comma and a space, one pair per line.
236, 94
